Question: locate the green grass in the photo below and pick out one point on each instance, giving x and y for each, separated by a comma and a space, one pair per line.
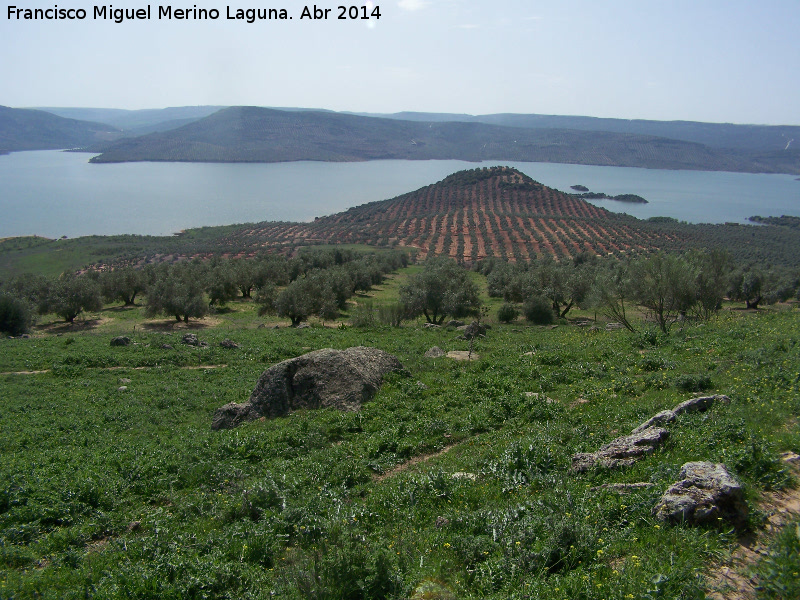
109, 493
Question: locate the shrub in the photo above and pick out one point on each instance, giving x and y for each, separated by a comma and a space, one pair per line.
539, 311
363, 315
15, 316
507, 313
693, 383
391, 314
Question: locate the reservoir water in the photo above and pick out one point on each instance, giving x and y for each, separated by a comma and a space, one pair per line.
53, 193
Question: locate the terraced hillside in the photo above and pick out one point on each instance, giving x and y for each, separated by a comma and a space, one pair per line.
474, 214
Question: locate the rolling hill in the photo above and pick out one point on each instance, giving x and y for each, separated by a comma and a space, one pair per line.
137, 122
472, 215
252, 134
749, 138
24, 129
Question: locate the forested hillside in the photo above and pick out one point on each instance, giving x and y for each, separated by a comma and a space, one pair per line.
252, 134
23, 129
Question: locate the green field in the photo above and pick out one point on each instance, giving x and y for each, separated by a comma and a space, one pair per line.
108, 492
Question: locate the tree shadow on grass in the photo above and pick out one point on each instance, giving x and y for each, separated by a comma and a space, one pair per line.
173, 325
122, 308
56, 327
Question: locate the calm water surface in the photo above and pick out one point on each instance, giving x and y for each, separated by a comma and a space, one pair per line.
54, 193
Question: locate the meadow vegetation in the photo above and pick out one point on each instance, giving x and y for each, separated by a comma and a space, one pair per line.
453, 482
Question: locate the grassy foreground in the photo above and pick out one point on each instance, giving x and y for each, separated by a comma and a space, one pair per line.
112, 484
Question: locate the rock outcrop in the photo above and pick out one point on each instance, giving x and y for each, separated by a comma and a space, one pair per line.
662, 418
342, 379
621, 452
435, 352
121, 340
705, 493
700, 404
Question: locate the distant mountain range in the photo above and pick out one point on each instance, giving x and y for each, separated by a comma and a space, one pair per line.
255, 134
24, 129
138, 122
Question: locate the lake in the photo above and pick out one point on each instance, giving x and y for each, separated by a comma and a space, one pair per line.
53, 193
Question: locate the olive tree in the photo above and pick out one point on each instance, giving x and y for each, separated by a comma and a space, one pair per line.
177, 292
442, 288
70, 295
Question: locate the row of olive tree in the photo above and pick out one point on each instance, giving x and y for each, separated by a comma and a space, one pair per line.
190, 289
668, 287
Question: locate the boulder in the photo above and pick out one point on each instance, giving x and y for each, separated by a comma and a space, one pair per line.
705, 493
700, 404
167, 347
474, 330
342, 379
431, 326
621, 452
435, 352
455, 323
662, 418
226, 343
121, 340
190, 339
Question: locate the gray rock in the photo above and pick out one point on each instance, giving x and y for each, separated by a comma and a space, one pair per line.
662, 418
124, 380
342, 379
435, 352
122, 388
431, 326
700, 404
121, 340
474, 330
190, 339
705, 493
303, 326
621, 452
455, 323
226, 343
614, 326
167, 347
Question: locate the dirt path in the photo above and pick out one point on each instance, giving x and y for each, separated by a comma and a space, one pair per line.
411, 462
191, 367
731, 580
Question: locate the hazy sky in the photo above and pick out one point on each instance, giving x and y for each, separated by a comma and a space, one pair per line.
705, 60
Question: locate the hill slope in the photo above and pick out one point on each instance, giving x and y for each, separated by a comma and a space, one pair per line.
252, 134
140, 121
749, 138
24, 129
471, 215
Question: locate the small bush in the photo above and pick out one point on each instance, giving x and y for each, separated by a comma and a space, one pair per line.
363, 315
539, 311
15, 316
649, 337
507, 313
693, 383
391, 314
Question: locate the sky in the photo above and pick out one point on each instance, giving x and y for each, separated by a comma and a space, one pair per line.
732, 61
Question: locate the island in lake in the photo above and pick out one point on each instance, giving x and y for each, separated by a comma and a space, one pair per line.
603, 196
